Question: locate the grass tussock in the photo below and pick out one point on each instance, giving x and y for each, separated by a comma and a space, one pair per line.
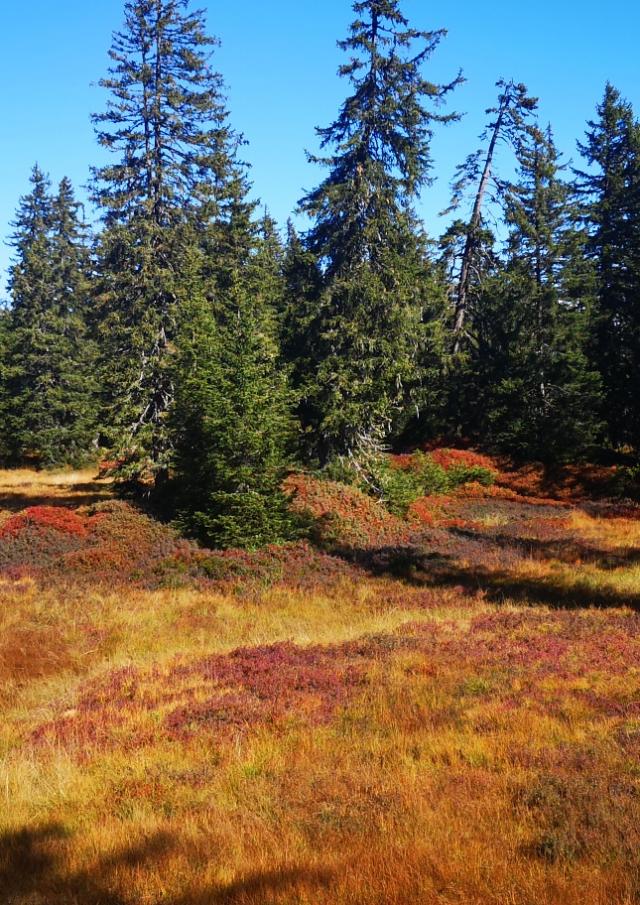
438, 709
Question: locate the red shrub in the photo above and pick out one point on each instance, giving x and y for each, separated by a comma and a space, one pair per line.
404, 461
344, 516
564, 482
217, 694
426, 511
55, 518
452, 458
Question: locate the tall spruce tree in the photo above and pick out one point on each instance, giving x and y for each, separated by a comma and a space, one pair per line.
4, 340
299, 341
372, 331
610, 193
176, 168
50, 407
540, 394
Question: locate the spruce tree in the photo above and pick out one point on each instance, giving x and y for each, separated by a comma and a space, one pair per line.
232, 422
371, 335
50, 408
267, 266
610, 193
176, 168
299, 334
539, 392
4, 340
510, 124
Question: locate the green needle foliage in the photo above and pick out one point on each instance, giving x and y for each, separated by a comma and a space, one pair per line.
610, 193
166, 123
509, 124
4, 351
232, 422
50, 408
541, 394
373, 327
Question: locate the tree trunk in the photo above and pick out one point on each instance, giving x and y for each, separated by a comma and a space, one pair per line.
462, 294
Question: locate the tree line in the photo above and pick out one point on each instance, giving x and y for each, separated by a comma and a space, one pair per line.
204, 353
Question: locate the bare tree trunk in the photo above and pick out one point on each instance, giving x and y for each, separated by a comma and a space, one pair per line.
462, 293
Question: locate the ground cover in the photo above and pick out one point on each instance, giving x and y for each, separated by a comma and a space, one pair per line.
442, 708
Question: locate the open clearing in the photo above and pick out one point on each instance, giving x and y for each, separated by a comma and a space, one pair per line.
447, 717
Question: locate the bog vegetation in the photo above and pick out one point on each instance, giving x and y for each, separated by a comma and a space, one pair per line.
286, 634
438, 708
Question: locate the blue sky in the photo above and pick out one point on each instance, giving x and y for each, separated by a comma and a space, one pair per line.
279, 60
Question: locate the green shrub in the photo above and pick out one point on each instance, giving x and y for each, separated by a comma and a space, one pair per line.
627, 482
398, 488
433, 477
341, 471
470, 474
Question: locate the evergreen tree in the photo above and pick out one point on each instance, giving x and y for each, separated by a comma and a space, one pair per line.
232, 420
166, 121
4, 341
372, 331
540, 395
265, 273
50, 408
461, 409
509, 124
610, 192
300, 349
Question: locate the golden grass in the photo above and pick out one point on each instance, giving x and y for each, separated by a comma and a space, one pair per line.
22, 488
489, 756
617, 533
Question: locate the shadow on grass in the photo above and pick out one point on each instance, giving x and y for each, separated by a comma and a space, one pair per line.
14, 500
32, 869
420, 567
571, 551
259, 887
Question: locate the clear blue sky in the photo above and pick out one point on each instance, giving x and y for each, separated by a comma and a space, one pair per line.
279, 60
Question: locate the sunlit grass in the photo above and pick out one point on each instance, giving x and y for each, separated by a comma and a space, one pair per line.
466, 732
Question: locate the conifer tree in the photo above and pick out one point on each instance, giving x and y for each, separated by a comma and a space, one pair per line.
232, 422
50, 409
610, 193
166, 121
540, 394
299, 325
267, 265
509, 124
372, 332
4, 340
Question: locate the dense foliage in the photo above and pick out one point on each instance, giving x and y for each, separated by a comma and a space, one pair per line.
201, 355
372, 337
48, 389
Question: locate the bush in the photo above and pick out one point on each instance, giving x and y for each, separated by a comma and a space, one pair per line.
402, 480
247, 519
398, 488
627, 482
470, 474
433, 477
398, 481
